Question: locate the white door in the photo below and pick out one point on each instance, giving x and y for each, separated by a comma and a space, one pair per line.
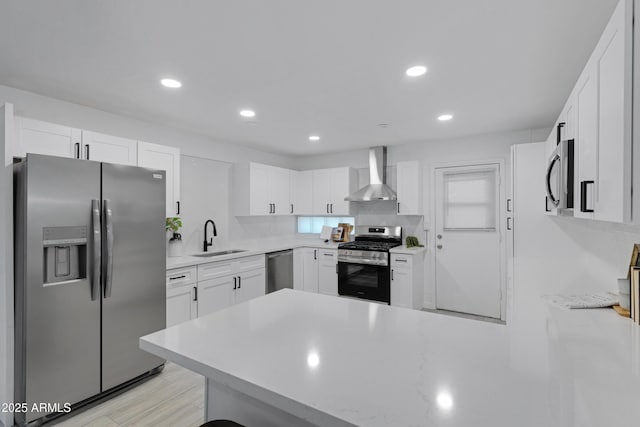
401, 278
322, 191
302, 192
408, 188
259, 194
181, 305
327, 272
340, 188
467, 243
215, 294
167, 159
251, 285
310, 269
109, 148
39, 137
279, 189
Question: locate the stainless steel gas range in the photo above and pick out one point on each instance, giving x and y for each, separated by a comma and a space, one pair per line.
363, 265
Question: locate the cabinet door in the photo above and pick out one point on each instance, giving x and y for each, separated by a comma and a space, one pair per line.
108, 148
251, 284
340, 188
166, 158
259, 193
302, 192
327, 274
215, 294
322, 191
181, 305
401, 287
408, 188
279, 189
614, 161
50, 139
310, 269
586, 144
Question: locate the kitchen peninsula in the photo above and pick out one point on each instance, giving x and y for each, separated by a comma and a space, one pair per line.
295, 358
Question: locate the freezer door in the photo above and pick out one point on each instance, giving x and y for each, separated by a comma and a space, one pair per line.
57, 321
134, 268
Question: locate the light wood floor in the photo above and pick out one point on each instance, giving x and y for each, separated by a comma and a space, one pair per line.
174, 398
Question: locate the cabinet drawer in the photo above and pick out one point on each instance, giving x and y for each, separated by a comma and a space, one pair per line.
250, 263
328, 257
401, 261
181, 276
215, 269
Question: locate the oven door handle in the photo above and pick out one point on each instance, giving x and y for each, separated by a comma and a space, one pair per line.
365, 261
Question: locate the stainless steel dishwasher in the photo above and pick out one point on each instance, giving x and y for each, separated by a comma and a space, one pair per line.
279, 270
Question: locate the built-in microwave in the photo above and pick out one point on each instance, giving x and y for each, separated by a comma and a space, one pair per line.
559, 176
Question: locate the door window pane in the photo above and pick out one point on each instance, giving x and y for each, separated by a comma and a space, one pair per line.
470, 200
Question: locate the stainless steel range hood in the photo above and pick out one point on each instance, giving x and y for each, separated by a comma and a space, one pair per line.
377, 188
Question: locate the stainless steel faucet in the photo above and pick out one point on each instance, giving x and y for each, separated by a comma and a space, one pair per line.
209, 242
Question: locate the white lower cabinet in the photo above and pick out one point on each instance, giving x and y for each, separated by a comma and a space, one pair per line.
328, 271
407, 284
182, 291
314, 270
225, 283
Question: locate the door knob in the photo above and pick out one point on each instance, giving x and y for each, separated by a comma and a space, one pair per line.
439, 236
439, 246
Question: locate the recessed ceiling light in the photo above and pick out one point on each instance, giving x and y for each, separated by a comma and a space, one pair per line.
314, 138
416, 71
247, 113
445, 117
172, 83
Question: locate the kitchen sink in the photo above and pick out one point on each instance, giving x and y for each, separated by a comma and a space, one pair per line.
218, 253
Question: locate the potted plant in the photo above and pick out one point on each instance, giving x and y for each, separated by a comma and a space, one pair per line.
173, 224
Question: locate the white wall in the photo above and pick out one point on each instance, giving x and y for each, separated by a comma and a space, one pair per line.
6, 262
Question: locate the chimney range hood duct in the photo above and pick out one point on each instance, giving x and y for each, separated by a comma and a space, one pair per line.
377, 189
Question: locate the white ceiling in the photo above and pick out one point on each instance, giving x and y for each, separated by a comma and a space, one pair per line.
333, 67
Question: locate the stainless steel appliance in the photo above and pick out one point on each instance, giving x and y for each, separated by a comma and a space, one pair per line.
279, 270
90, 279
560, 173
377, 189
363, 265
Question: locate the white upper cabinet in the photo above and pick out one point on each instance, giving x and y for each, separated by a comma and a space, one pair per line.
108, 148
408, 188
35, 136
261, 190
301, 189
586, 146
166, 158
330, 187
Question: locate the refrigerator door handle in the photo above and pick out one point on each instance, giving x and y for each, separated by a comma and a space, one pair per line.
97, 241
108, 273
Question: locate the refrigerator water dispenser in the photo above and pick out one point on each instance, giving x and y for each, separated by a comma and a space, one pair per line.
65, 254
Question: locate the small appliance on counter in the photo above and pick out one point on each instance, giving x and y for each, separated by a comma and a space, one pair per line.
363, 265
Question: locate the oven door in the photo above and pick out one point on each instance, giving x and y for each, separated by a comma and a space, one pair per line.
364, 281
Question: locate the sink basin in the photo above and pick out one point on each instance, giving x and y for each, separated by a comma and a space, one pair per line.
218, 253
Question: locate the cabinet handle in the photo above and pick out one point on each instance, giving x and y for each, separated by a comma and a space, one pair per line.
327, 207
509, 223
546, 204
178, 277
328, 255
398, 207
86, 151
583, 196
178, 210
400, 260
337, 269
315, 254
239, 282
235, 283
195, 293
291, 207
77, 150
508, 205
274, 208
392, 274
331, 204
559, 132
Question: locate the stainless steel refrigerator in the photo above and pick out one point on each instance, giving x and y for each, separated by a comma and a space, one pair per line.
90, 278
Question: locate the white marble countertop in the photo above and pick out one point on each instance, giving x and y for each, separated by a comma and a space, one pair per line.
339, 361
407, 251
251, 247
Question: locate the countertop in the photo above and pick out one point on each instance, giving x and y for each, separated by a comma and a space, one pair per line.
403, 249
344, 361
251, 247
